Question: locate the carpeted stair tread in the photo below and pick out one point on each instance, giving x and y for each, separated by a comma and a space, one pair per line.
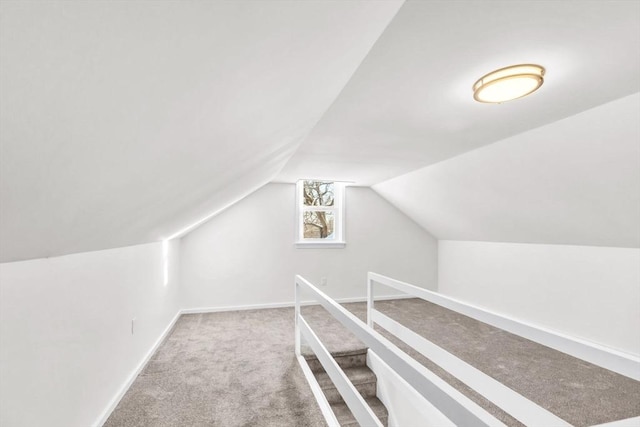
354, 365
346, 418
357, 375
361, 377
308, 353
345, 360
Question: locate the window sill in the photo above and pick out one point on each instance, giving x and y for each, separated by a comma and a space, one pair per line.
320, 245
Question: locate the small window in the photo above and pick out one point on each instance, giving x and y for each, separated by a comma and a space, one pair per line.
320, 214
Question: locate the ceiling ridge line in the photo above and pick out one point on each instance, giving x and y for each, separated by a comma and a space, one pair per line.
366, 55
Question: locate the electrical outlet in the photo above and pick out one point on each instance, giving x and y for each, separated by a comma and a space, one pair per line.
323, 281
133, 325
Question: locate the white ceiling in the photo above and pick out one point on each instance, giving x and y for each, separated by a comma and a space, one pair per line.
124, 122
575, 181
410, 102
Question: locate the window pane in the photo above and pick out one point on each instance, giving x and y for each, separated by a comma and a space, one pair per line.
317, 193
318, 225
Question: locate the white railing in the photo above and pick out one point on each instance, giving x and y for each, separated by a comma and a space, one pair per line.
505, 398
450, 402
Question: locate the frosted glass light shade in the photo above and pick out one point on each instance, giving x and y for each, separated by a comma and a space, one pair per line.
508, 83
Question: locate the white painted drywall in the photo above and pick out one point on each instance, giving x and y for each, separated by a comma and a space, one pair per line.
584, 291
246, 255
407, 408
173, 109
66, 347
574, 182
410, 102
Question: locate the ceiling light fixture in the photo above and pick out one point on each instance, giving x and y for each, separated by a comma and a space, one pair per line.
508, 83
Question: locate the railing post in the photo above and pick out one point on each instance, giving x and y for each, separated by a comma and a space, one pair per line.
369, 300
296, 293
453, 404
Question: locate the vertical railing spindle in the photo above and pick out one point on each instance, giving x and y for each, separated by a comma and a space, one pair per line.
369, 300
297, 319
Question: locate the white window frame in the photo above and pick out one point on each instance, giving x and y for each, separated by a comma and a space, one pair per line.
338, 217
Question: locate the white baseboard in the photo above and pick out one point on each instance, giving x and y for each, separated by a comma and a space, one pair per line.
236, 308
286, 304
627, 422
132, 377
125, 387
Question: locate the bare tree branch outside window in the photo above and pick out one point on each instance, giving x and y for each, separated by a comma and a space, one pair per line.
318, 224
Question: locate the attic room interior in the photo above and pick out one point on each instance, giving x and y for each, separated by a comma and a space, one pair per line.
319, 213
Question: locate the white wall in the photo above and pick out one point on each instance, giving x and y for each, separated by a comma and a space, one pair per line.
584, 291
66, 346
246, 254
407, 407
117, 132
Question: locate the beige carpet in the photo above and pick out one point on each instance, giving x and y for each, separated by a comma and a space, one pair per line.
238, 369
223, 369
577, 391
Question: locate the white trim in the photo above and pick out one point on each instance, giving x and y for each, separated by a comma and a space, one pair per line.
102, 418
627, 422
516, 405
453, 404
296, 323
320, 245
321, 399
132, 377
405, 405
355, 402
286, 304
608, 358
236, 308
338, 211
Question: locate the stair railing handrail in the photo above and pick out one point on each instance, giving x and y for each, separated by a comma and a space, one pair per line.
608, 358
516, 405
450, 402
352, 398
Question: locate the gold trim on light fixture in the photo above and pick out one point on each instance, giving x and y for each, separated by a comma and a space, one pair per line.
508, 83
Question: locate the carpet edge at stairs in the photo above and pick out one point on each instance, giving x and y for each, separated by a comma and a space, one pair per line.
354, 365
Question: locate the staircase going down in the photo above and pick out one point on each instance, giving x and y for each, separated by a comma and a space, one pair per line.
354, 365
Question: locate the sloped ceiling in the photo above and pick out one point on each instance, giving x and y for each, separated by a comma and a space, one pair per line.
127, 122
410, 102
575, 181
124, 122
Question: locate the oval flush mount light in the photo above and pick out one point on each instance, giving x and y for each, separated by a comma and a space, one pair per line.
508, 83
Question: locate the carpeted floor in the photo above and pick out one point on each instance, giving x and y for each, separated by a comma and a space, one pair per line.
223, 369
579, 392
238, 369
